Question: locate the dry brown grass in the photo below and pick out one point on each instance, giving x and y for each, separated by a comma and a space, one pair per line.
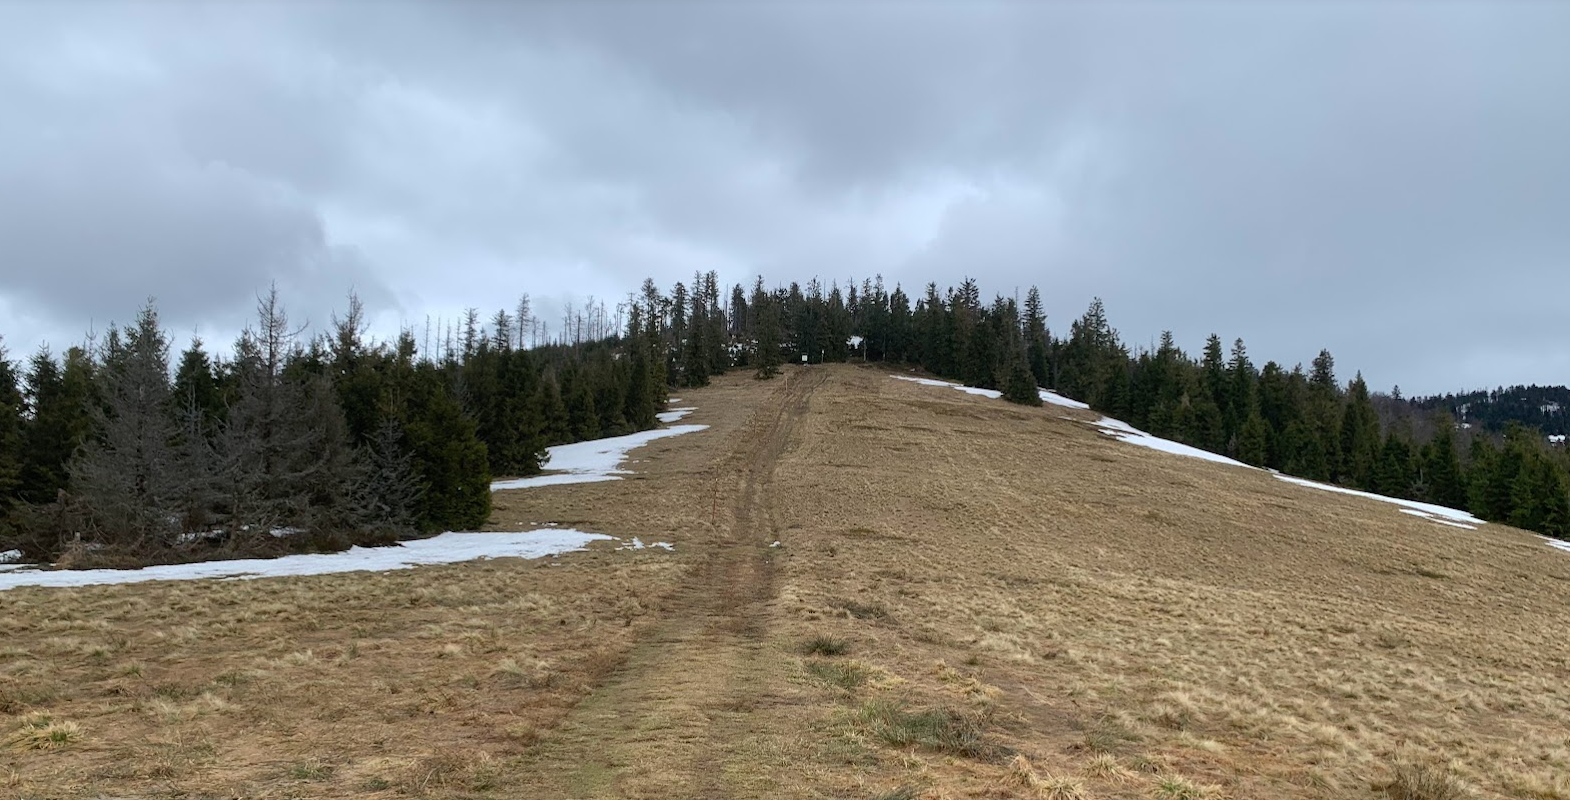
1218, 632
1005, 581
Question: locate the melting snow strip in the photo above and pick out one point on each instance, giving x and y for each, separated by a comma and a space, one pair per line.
447, 548
1454, 515
592, 461
992, 393
1431, 518
1557, 544
1122, 431
1049, 396
674, 414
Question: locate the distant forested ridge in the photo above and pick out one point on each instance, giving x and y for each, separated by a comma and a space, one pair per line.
120, 452
1542, 407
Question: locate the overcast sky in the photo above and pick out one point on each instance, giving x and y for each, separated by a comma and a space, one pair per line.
1390, 181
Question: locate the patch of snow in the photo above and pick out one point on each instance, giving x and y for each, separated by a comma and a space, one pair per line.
1556, 438
1558, 544
637, 544
1125, 432
673, 399
992, 393
9, 556
447, 548
592, 461
854, 342
674, 414
1452, 514
1431, 518
1049, 396
776, 543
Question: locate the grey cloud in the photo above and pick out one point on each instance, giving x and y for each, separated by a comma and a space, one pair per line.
1387, 181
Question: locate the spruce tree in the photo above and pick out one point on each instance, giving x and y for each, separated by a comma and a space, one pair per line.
1360, 445
1393, 474
642, 383
1242, 400
449, 459
61, 403
129, 479
766, 309
1036, 337
388, 492
837, 327
1253, 441
1442, 465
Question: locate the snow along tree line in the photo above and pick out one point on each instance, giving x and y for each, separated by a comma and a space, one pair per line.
337, 440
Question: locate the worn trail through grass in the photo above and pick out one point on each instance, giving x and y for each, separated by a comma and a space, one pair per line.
676, 719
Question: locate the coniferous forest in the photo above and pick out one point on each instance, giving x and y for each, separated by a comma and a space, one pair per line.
120, 452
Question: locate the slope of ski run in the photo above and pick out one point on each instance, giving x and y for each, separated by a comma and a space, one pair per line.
1125, 432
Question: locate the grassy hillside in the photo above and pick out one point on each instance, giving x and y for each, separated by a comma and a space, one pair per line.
968, 599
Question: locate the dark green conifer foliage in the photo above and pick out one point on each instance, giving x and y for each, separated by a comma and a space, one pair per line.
837, 321
11, 417
450, 460
1036, 338
766, 310
1360, 445
1253, 441
583, 419
1394, 474
1442, 466
555, 420
61, 402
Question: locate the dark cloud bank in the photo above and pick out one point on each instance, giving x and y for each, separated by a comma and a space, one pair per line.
1390, 181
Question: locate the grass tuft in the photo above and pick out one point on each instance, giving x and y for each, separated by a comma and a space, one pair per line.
41, 731
847, 675
825, 646
1176, 788
1413, 780
939, 729
1105, 766
1048, 786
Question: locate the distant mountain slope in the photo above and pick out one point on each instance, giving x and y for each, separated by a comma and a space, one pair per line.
1542, 407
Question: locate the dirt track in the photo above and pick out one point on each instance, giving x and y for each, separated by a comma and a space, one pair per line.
676, 719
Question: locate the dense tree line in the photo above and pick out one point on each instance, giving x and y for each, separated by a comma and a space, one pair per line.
110, 452
120, 452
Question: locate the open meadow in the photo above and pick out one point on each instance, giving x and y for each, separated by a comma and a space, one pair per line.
875, 589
